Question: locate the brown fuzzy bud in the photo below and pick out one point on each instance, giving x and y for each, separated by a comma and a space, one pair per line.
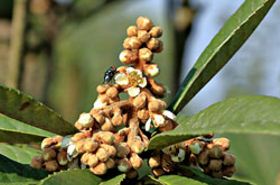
156, 32
122, 149
128, 56
107, 126
216, 152
80, 146
229, 159
144, 23
131, 31
203, 158
215, 164
89, 159
99, 117
132, 43
168, 125
154, 44
156, 105
110, 163
102, 88
53, 142
135, 161
62, 158
229, 171
99, 169
37, 162
112, 92
166, 163
117, 119
217, 174
90, 145
145, 54
159, 49
111, 150
158, 172
140, 101
132, 174
156, 88
154, 161
80, 136
124, 165
223, 142
104, 137
102, 154
51, 166
143, 36
48, 154
137, 146
143, 114
151, 70
158, 120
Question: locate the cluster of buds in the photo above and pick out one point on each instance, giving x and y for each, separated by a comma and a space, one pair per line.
210, 155
115, 132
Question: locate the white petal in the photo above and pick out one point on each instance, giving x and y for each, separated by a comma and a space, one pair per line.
139, 72
143, 83
98, 104
169, 114
148, 124
71, 152
158, 120
133, 91
152, 70
121, 79
130, 69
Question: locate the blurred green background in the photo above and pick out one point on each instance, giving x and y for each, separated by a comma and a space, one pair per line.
58, 51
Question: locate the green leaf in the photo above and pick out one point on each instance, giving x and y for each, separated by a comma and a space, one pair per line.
13, 131
177, 179
114, 181
15, 173
222, 47
72, 177
23, 154
245, 114
22, 107
205, 179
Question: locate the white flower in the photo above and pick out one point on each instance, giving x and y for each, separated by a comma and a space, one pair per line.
71, 151
85, 119
169, 114
133, 79
148, 124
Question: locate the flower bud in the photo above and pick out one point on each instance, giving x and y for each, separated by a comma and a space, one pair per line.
156, 32
110, 163
62, 158
99, 117
107, 126
122, 149
168, 125
229, 159
89, 159
117, 119
48, 154
79, 146
131, 31
51, 166
154, 161
137, 146
223, 142
132, 174
195, 148
229, 171
132, 43
145, 54
128, 56
217, 174
80, 136
143, 114
139, 101
156, 105
166, 163
99, 169
90, 145
37, 162
158, 172
124, 165
203, 158
105, 137
112, 92
143, 36
158, 120
102, 155
215, 165
53, 142
159, 49
154, 44
151, 70
135, 161
216, 152
85, 121
111, 150
143, 23
102, 88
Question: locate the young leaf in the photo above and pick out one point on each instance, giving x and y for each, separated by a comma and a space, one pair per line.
72, 177
244, 114
22, 107
115, 180
12, 172
13, 131
20, 154
223, 46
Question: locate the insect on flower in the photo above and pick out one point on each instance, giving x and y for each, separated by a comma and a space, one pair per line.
109, 74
